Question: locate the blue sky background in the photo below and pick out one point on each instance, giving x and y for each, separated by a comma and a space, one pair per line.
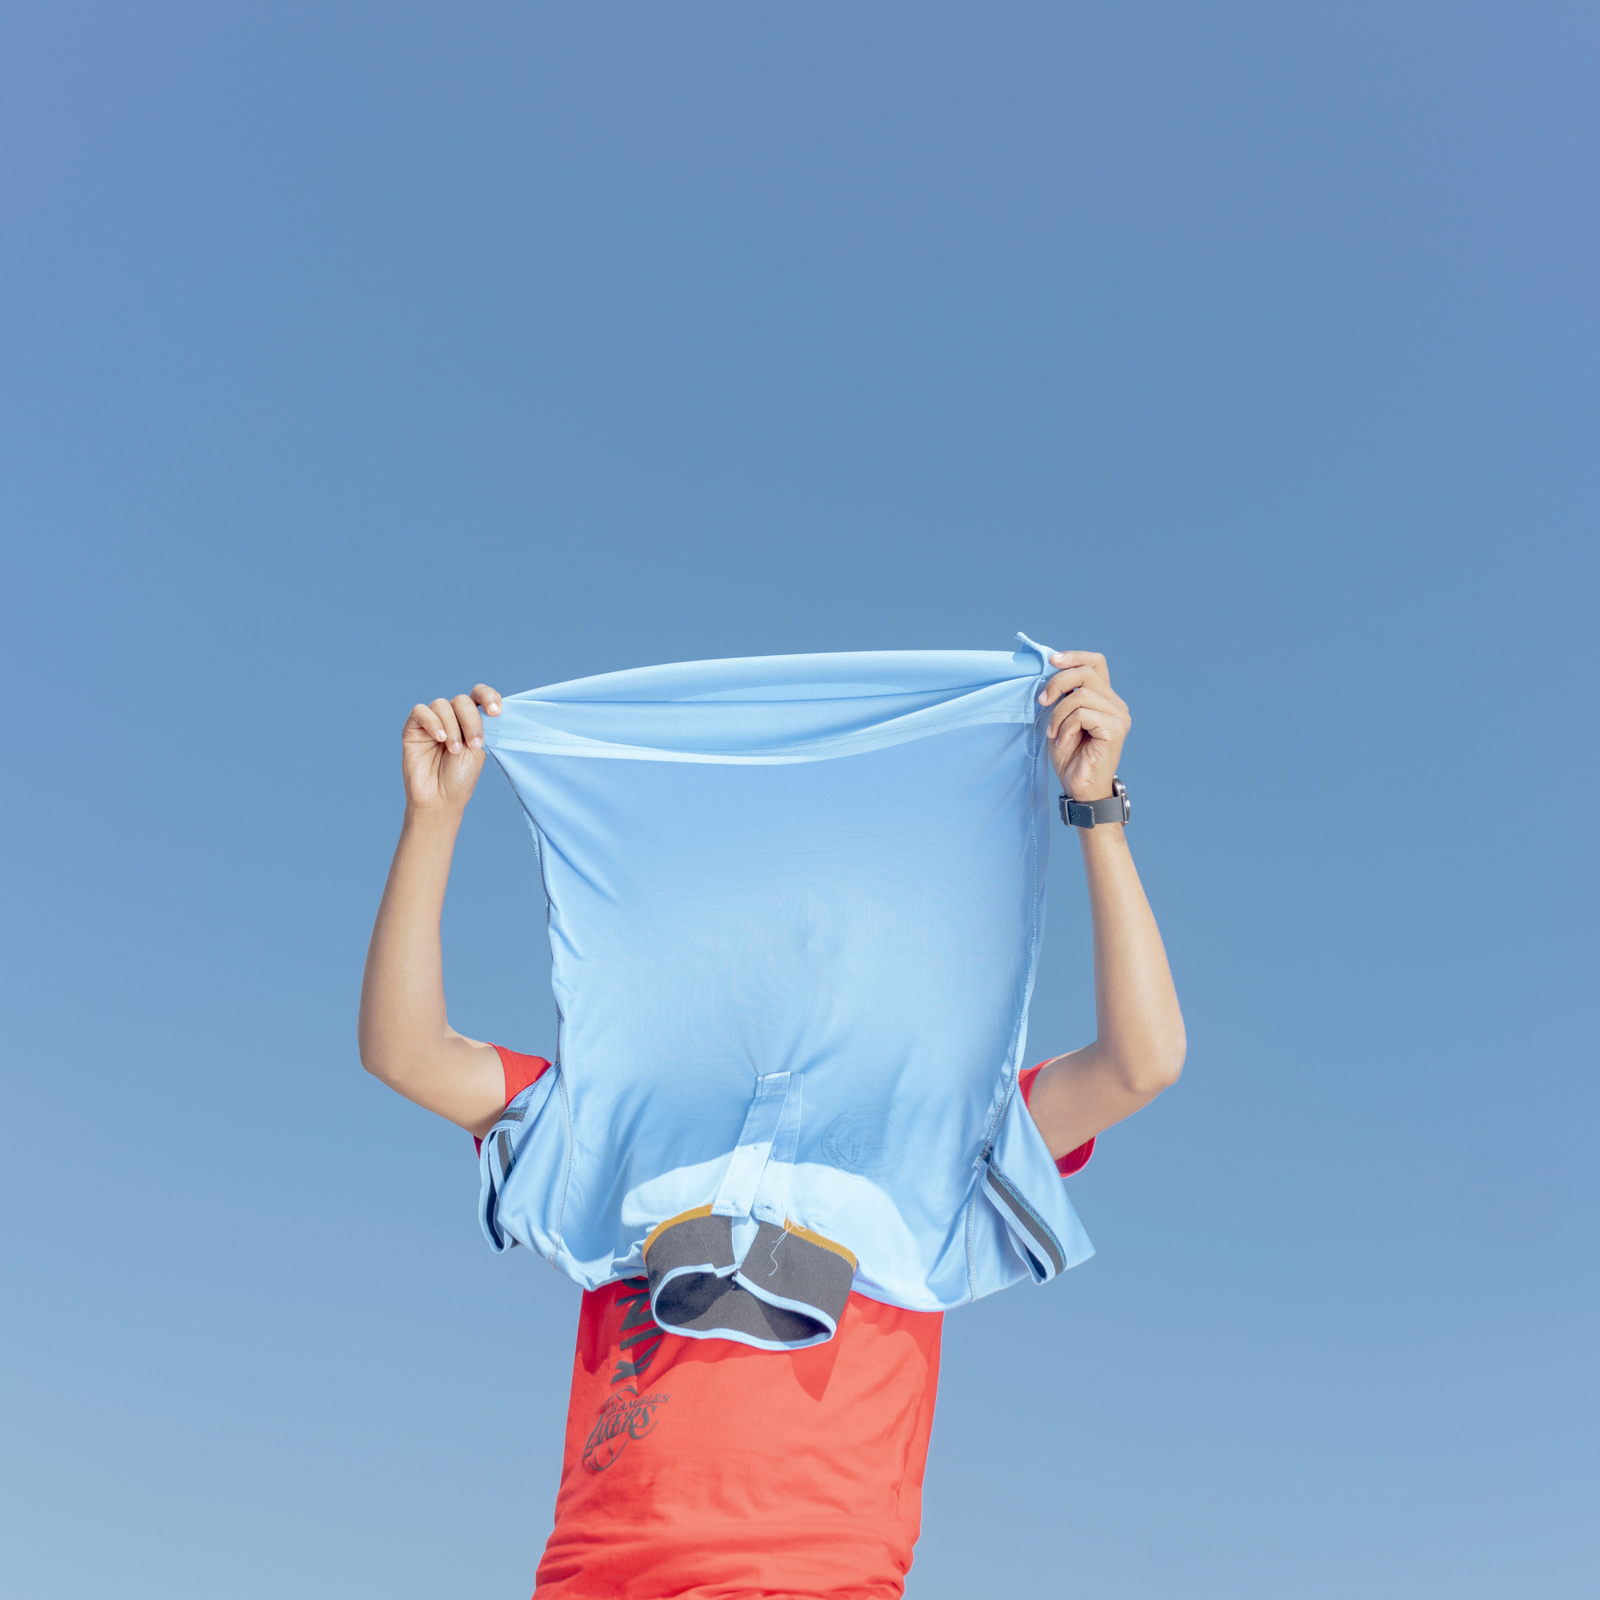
349, 354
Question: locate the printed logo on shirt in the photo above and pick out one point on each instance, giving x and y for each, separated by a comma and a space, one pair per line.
860, 1141
641, 1335
623, 1416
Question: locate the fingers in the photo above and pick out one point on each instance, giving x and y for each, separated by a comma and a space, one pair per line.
456, 724
446, 713
1085, 698
1082, 658
1088, 735
1081, 667
1079, 724
424, 718
468, 720
1090, 720
1073, 678
1086, 721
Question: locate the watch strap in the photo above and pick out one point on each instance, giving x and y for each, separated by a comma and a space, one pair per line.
1116, 807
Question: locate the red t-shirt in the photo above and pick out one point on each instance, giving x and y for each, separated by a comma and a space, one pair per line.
706, 1470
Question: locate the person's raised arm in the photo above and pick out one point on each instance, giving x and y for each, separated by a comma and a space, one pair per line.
1139, 1041
403, 1034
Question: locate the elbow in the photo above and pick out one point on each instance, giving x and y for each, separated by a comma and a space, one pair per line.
374, 1060
1156, 1068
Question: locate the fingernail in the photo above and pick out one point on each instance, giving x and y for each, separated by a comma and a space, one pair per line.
1041, 699
477, 744
494, 708
455, 744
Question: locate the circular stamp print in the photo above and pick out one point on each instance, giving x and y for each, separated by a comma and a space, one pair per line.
859, 1141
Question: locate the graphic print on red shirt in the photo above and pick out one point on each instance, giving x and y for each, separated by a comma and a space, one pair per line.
702, 1468
705, 1469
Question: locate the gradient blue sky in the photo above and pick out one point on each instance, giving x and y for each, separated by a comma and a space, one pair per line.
349, 354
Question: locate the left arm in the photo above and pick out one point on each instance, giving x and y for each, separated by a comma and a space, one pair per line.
1139, 1042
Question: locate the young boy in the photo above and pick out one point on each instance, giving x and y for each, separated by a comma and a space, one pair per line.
704, 1468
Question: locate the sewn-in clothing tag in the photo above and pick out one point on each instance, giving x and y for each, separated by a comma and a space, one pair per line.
736, 1195
772, 1194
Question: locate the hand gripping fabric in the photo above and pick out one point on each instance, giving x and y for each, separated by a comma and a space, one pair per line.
795, 906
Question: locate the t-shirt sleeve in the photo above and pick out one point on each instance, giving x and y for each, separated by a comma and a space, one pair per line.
519, 1071
1074, 1160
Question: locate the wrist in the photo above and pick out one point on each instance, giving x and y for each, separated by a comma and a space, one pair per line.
439, 818
1109, 810
1090, 786
1105, 838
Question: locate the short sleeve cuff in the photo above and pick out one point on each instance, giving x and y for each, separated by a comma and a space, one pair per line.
518, 1071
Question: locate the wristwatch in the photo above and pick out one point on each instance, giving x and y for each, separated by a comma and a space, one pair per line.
1116, 807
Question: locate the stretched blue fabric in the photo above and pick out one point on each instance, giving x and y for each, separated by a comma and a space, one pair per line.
795, 906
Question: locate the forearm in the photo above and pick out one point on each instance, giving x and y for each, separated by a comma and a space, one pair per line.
402, 989
404, 1032
1139, 1037
1138, 1026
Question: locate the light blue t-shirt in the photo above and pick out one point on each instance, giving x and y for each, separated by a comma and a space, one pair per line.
795, 906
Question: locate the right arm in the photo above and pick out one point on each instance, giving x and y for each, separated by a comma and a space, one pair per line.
1139, 1044
404, 1036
